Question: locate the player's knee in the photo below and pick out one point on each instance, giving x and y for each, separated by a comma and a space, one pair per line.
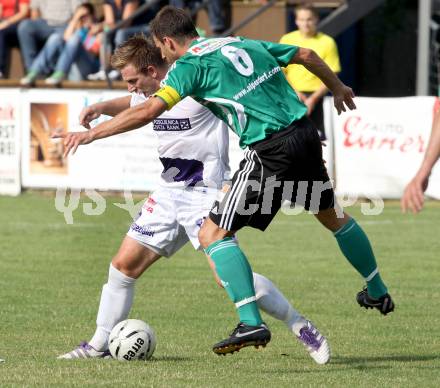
211, 232
208, 234
120, 264
203, 236
331, 220
126, 265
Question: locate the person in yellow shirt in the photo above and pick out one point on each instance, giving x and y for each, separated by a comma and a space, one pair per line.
309, 88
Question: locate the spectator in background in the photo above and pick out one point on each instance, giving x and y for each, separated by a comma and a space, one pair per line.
309, 88
47, 17
11, 13
114, 12
77, 45
413, 197
219, 12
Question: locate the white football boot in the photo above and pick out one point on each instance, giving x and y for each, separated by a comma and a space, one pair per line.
315, 343
84, 350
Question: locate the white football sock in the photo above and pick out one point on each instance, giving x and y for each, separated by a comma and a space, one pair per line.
116, 301
274, 303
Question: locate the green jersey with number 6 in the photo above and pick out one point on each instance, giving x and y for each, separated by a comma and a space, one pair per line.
240, 81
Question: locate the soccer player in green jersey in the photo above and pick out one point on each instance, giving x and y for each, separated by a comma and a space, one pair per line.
241, 81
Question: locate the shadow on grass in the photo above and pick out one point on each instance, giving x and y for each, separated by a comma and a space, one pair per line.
320, 369
357, 363
402, 358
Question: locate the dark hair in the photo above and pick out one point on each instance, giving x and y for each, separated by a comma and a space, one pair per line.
174, 23
89, 6
139, 51
307, 7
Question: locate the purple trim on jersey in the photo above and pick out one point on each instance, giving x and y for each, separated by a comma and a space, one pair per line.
182, 170
161, 124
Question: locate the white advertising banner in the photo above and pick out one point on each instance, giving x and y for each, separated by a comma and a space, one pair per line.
9, 142
379, 146
124, 162
373, 151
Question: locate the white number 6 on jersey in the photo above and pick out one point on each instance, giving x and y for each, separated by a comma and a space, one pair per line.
240, 59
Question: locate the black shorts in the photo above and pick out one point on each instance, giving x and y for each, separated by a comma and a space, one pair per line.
286, 166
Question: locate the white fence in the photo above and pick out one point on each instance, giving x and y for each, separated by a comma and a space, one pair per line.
371, 152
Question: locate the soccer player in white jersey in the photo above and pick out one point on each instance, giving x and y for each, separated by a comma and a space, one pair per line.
193, 147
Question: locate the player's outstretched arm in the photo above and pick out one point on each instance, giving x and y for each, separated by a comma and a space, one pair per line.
342, 94
109, 108
413, 197
125, 121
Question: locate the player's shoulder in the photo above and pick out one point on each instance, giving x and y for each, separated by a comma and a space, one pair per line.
203, 48
181, 67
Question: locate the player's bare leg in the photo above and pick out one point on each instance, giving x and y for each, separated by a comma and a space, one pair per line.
117, 295
356, 247
235, 272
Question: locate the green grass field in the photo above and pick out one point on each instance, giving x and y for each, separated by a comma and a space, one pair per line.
51, 276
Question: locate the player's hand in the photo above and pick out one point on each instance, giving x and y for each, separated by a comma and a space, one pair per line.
413, 196
88, 114
72, 140
342, 98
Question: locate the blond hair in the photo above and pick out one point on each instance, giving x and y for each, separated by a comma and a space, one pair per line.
139, 51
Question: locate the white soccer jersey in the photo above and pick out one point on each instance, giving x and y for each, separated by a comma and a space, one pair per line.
193, 145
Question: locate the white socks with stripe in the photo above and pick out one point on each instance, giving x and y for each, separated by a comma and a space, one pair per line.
274, 303
116, 301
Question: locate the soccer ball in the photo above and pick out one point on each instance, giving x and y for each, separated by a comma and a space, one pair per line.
132, 339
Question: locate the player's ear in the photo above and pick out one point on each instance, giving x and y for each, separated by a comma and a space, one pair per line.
167, 41
170, 43
152, 71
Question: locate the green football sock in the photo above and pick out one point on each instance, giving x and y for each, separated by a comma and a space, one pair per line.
356, 248
236, 274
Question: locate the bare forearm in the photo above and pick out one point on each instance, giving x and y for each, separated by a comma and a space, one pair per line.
312, 62
115, 106
125, 121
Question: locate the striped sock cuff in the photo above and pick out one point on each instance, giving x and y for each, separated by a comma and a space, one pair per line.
346, 228
245, 301
372, 275
216, 246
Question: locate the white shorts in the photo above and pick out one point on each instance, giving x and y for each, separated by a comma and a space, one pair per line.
171, 217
